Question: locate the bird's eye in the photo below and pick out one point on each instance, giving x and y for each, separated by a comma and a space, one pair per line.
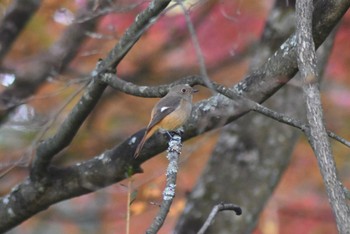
183, 90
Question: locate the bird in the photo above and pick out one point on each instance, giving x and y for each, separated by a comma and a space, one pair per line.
170, 112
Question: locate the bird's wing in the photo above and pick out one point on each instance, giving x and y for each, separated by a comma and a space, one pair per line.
163, 108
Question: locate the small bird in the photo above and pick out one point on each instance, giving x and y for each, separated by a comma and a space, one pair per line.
170, 113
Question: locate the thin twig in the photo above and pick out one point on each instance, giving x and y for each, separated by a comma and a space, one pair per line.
173, 155
197, 48
251, 105
216, 209
293, 122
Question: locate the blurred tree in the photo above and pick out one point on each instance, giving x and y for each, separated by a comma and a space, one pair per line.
53, 80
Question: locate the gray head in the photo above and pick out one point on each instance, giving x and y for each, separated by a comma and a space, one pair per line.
183, 90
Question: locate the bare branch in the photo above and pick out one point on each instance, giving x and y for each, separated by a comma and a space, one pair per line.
142, 21
50, 147
282, 65
216, 209
197, 48
292, 122
41, 179
69, 128
147, 91
317, 134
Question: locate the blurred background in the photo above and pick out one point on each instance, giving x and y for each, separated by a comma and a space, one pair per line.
229, 33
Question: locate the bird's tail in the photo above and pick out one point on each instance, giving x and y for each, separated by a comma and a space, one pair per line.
148, 133
140, 145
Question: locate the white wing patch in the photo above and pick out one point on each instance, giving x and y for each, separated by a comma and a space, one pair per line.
164, 108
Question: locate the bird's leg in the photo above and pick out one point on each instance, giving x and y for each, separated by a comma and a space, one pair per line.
170, 134
175, 140
174, 143
178, 132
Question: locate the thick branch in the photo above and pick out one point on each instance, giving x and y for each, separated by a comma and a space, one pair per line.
49, 148
16, 209
143, 20
69, 128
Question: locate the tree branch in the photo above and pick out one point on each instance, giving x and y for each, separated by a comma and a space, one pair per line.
50, 147
292, 122
142, 21
147, 91
47, 149
197, 47
216, 209
41, 180
282, 65
317, 134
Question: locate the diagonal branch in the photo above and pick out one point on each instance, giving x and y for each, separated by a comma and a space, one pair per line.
282, 65
69, 128
50, 147
37, 188
142, 21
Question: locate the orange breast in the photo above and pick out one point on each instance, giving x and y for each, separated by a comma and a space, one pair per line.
176, 118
